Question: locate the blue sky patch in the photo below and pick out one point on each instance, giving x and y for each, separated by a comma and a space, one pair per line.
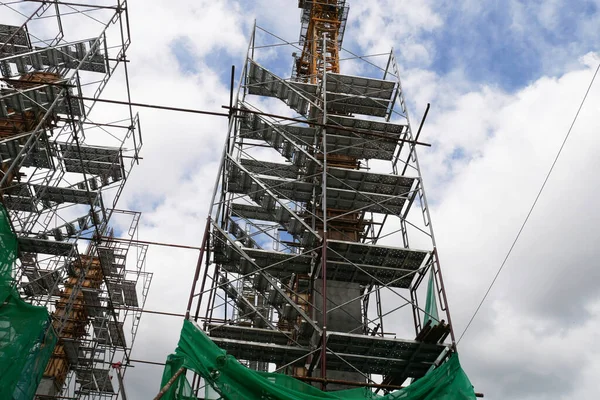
181, 49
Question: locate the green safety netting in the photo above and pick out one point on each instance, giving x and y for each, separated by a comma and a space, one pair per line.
234, 381
431, 309
26, 343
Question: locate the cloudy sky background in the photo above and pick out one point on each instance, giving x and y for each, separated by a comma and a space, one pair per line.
504, 79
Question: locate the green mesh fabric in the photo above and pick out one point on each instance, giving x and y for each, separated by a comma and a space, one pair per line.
26, 343
431, 309
234, 381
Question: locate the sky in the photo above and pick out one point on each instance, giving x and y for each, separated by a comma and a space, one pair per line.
504, 80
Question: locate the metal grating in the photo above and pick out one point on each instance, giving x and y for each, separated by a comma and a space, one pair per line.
347, 104
265, 352
103, 380
91, 299
347, 262
37, 157
270, 168
20, 38
117, 335
101, 331
94, 168
262, 82
116, 293
91, 153
130, 293
34, 245
372, 140
40, 97
361, 86
65, 195
244, 333
380, 355
72, 350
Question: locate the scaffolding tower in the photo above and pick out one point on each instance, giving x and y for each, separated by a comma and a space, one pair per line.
319, 237
65, 159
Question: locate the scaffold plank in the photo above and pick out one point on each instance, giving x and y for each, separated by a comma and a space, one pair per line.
117, 335
91, 153
260, 81
265, 352
65, 195
270, 168
91, 299
103, 380
44, 246
348, 104
251, 334
130, 293
358, 85
346, 261
94, 168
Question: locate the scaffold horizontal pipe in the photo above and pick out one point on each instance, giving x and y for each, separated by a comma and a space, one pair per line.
65, 3
150, 243
146, 362
352, 383
154, 106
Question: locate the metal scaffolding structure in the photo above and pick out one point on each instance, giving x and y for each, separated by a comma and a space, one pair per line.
319, 236
64, 163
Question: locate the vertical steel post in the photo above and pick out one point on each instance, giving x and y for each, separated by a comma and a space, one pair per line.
324, 204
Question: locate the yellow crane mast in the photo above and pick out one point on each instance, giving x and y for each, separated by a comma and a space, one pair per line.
319, 18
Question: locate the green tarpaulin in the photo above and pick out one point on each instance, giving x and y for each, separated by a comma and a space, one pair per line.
234, 381
26, 343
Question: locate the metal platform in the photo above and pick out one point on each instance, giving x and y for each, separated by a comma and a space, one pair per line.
351, 200
91, 153
101, 161
43, 246
366, 126
358, 85
103, 380
338, 178
348, 104
296, 95
19, 39
95, 380
41, 281
94, 168
275, 263
37, 157
371, 140
270, 168
72, 351
92, 303
247, 211
130, 293
65, 195
346, 262
117, 336
370, 354
19, 198
40, 97
235, 332
65, 56
275, 214
265, 352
